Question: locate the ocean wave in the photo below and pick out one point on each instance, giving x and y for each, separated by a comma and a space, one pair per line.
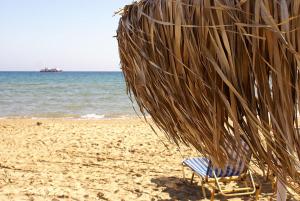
93, 116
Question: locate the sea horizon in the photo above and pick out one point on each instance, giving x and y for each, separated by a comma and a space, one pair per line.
67, 94
104, 71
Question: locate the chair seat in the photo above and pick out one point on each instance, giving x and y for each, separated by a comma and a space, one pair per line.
202, 167
198, 165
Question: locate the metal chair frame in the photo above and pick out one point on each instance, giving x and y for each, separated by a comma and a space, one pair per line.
215, 184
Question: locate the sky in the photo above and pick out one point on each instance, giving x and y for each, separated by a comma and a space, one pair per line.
75, 35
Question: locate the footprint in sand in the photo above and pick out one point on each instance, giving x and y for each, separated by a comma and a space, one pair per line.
101, 196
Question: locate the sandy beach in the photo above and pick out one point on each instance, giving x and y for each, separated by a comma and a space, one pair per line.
118, 159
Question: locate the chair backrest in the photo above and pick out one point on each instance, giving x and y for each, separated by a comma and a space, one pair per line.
237, 164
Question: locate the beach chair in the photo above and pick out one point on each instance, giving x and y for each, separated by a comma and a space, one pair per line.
236, 170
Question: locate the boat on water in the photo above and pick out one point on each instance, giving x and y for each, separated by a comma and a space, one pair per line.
50, 70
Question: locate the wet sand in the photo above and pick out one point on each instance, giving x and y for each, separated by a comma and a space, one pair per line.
119, 159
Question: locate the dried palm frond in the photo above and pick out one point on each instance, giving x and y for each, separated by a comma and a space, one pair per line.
212, 72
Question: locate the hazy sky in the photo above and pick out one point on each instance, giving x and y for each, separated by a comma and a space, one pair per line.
70, 34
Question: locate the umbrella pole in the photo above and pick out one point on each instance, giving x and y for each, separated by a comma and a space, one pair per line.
281, 191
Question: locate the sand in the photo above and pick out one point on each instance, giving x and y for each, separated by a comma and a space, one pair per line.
119, 159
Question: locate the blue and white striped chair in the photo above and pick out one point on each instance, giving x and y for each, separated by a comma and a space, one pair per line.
235, 169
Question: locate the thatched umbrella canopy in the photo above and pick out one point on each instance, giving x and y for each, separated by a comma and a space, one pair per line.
210, 72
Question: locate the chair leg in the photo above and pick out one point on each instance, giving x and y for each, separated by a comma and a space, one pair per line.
203, 190
192, 178
257, 192
212, 196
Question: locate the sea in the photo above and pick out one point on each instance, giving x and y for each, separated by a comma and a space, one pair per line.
83, 95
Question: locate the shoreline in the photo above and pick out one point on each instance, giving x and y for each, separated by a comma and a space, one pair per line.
75, 118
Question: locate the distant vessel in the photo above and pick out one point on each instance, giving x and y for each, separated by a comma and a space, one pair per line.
50, 70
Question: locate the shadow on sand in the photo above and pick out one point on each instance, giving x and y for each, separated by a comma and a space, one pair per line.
180, 189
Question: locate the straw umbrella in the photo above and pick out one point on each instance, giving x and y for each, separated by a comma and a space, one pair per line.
210, 72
